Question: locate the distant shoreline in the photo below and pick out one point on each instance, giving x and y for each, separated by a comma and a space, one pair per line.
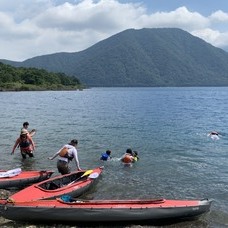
1, 90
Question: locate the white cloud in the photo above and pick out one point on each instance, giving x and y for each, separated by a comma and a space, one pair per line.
219, 16
217, 32
30, 28
214, 37
101, 16
180, 18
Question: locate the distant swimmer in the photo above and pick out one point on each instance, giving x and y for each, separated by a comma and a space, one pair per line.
214, 135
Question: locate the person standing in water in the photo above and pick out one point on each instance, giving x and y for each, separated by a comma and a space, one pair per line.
66, 154
25, 143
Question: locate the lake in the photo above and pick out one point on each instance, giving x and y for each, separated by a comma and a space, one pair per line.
167, 126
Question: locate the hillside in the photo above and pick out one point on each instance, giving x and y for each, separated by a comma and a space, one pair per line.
30, 79
146, 57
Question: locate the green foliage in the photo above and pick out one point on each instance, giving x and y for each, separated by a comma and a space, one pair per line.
145, 57
28, 79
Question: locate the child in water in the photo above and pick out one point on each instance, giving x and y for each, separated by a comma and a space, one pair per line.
130, 156
135, 155
106, 156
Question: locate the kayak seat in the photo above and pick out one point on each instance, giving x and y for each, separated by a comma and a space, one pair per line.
52, 186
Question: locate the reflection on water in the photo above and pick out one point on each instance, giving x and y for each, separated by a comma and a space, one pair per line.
27, 164
167, 126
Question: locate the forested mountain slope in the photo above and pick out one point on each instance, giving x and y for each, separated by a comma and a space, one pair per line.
145, 57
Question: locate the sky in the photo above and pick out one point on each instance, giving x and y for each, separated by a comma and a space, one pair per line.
30, 28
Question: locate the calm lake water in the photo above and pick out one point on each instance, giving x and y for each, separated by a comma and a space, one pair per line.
167, 126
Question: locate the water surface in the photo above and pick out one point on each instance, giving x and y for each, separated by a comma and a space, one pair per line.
167, 126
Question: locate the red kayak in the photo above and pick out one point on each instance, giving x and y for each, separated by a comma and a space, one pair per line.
131, 211
74, 184
18, 178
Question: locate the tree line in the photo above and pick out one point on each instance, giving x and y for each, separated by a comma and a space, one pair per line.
28, 79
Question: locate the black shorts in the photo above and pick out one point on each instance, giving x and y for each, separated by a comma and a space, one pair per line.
25, 153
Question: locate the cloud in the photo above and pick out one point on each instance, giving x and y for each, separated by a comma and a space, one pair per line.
180, 18
30, 28
217, 38
219, 16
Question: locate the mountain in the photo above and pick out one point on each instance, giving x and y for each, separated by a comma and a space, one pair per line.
145, 57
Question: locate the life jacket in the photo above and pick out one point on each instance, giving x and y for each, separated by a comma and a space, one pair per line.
104, 157
127, 158
64, 153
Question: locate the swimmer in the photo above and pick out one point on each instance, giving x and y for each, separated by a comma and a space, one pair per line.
106, 156
128, 157
214, 135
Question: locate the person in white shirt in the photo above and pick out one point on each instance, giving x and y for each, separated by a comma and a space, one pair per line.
66, 154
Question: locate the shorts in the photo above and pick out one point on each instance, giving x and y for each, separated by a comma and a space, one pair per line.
25, 153
63, 167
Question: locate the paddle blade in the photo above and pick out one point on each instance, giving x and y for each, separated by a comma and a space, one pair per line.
94, 175
88, 172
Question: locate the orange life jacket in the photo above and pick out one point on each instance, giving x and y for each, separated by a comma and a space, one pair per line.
127, 159
63, 152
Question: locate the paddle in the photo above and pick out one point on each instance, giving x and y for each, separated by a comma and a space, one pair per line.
94, 175
88, 172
